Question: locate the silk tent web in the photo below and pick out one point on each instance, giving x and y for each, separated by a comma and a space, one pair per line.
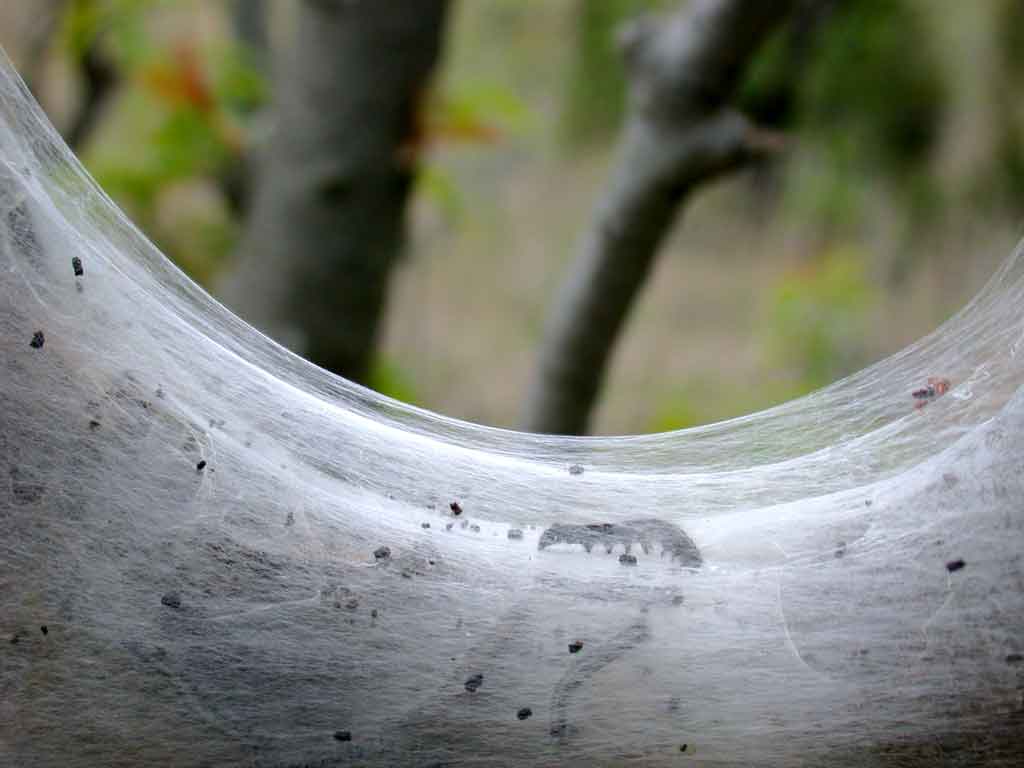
214, 553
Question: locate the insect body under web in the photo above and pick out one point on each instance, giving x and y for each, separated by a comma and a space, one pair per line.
647, 534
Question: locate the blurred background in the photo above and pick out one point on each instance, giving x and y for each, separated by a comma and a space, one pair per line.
899, 188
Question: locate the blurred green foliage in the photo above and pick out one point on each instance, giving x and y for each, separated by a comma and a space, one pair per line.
595, 91
819, 318
864, 87
121, 22
816, 326
1000, 182
596, 88
705, 400
464, 112
481, 109
180, 118
679, 411
874, 84
388, 378
437, 185
859, 83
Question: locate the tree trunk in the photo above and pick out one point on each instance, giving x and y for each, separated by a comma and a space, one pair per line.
680, 132
327, 218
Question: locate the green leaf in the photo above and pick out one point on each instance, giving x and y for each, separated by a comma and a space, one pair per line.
439, 187
238, 83
818, 320
186, 145
388, 379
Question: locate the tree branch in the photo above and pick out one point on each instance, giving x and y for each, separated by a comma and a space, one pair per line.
249, 18
99, 78
326, 222
680, 132
250, 22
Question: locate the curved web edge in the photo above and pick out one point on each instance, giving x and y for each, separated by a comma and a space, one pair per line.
859, 414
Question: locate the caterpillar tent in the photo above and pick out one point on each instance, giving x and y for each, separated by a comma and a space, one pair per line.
214, 553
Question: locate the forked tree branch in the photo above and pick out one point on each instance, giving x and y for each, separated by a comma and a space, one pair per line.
680, 132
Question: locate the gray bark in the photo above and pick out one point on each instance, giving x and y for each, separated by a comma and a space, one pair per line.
327, 218
250, 22
680, 132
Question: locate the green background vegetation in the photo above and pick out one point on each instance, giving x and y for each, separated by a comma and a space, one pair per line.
902, 187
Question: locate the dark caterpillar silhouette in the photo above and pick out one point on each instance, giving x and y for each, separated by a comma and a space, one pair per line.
645, 532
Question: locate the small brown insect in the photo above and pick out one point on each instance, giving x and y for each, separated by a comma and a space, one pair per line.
37, 340
935, 388
455, 508
76, 265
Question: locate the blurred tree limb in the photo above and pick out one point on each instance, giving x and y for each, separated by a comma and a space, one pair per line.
99, 80
680, 131
250, 21
98, 74
326, 222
